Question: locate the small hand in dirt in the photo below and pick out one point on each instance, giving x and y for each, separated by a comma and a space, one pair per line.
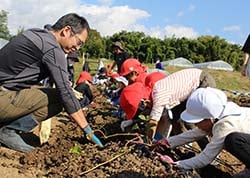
94, 105
125, 124
91, 136
166, 159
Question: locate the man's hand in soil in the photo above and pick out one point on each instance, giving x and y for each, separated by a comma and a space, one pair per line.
91, 136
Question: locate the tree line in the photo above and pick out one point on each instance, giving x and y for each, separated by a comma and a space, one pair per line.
149, 49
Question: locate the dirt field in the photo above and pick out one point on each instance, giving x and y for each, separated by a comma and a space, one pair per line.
68, 154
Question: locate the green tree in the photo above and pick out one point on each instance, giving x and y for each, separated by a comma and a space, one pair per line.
95, 45
4, 31
148, 49
131, 42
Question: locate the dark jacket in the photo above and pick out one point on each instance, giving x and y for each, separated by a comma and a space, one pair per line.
33, 56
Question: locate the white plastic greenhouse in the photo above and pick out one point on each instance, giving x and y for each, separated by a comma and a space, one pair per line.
216, 65
157, 70
3, 42
179, 62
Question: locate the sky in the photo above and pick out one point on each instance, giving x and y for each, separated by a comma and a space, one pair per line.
228, 19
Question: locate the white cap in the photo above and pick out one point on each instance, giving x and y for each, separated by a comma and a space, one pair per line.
205, 103
122, 79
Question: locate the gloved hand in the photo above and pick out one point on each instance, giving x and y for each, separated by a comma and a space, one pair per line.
157, 136
166, 159
125, 124
151, 130
162, 141
91, 136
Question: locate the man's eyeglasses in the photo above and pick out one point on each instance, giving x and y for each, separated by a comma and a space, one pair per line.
79, 41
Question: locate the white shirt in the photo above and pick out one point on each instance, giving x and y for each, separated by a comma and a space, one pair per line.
220, 130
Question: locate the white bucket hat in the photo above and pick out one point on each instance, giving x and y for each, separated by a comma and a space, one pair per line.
205, 103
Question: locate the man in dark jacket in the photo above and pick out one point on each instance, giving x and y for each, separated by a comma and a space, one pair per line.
120, 55
25, 61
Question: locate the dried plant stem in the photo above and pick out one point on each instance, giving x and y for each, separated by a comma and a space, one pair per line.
117, 134
117, 156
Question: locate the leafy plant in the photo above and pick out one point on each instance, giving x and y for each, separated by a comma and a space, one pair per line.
143, 126
76, 150
143, 117
135, 127
139, 123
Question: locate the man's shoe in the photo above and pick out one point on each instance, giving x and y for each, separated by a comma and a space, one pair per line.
12, 140
243, 174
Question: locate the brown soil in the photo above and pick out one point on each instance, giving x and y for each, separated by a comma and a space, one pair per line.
69, 154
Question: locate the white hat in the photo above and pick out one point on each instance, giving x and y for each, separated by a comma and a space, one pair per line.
205, 103
122, 79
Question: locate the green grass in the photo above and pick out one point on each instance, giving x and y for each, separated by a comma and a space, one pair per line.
224, 79
93, 63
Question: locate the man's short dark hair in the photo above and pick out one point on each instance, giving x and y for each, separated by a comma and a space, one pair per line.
76, 22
